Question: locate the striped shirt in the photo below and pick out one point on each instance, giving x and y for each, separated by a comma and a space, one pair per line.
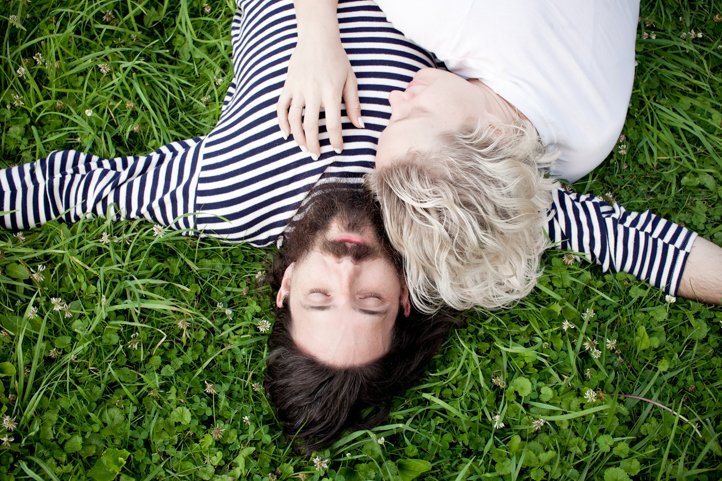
244, 183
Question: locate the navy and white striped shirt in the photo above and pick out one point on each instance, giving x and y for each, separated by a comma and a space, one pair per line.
244, 183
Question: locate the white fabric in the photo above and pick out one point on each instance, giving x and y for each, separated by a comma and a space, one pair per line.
568, 65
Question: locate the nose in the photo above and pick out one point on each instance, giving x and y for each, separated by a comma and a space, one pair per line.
347, 270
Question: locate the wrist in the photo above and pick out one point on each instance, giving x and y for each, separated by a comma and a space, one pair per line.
317, 20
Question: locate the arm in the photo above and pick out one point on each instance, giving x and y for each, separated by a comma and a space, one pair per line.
667, 255
702, 275
319, 76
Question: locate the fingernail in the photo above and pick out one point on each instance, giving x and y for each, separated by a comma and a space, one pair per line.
314, 156
337, 150
303, 149
284, 134
361, 121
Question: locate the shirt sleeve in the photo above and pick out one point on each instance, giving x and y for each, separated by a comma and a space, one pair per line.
643, 244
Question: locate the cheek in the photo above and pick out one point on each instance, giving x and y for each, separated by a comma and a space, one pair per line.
384, 278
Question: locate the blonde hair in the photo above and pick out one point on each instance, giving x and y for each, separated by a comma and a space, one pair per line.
469, 217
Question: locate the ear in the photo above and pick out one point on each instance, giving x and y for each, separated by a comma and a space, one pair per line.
405, 303
285, 285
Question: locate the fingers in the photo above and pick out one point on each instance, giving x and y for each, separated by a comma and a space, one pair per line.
299, 116
332, 107
351, 99
310, 129
284, 102
295, 119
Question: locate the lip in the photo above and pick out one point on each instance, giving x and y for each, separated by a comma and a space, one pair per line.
350, 239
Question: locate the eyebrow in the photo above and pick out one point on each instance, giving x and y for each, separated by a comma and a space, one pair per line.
368, 312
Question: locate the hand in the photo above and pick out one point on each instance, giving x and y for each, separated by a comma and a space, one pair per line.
319, 77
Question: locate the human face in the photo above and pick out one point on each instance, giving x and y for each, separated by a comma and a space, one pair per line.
434, 102
344, 307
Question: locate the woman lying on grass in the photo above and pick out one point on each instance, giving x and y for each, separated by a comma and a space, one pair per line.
346, 323
461, 166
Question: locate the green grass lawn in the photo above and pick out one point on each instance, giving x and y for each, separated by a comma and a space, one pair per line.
137, 354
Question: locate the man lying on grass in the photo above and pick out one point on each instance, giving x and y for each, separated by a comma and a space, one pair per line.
245, 182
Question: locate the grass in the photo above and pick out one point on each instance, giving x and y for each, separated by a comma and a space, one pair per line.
130, 355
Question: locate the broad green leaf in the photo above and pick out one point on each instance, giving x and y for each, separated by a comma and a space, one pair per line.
17, 271
109, 465
7, 369
412, 468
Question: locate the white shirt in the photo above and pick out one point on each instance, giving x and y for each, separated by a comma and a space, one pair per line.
567, 65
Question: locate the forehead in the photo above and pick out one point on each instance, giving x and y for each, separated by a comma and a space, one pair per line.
341, 337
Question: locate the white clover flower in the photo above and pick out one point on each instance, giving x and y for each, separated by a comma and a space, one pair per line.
256, 387
38, 57
104, 68
589, 314
264, 326
611, 344
588, 373
217, 432
498, 381
210, 389
20, 72
89, 112
247, 420
108, 16
18, 102
569, 259
670, 299
320, 464
590, 345
590, 395
158, 230
134, 342
105, 238
9, 423
596, 353
31, 313
566, 325
206, 8
538, 424
6, 440
57, 303
37, 275
381, 440
497, 422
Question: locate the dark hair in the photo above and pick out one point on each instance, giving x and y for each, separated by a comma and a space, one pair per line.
316, 403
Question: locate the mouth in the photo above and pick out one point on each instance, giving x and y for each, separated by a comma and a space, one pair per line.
350, 239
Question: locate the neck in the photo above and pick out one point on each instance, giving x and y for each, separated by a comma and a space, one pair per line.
497, 105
